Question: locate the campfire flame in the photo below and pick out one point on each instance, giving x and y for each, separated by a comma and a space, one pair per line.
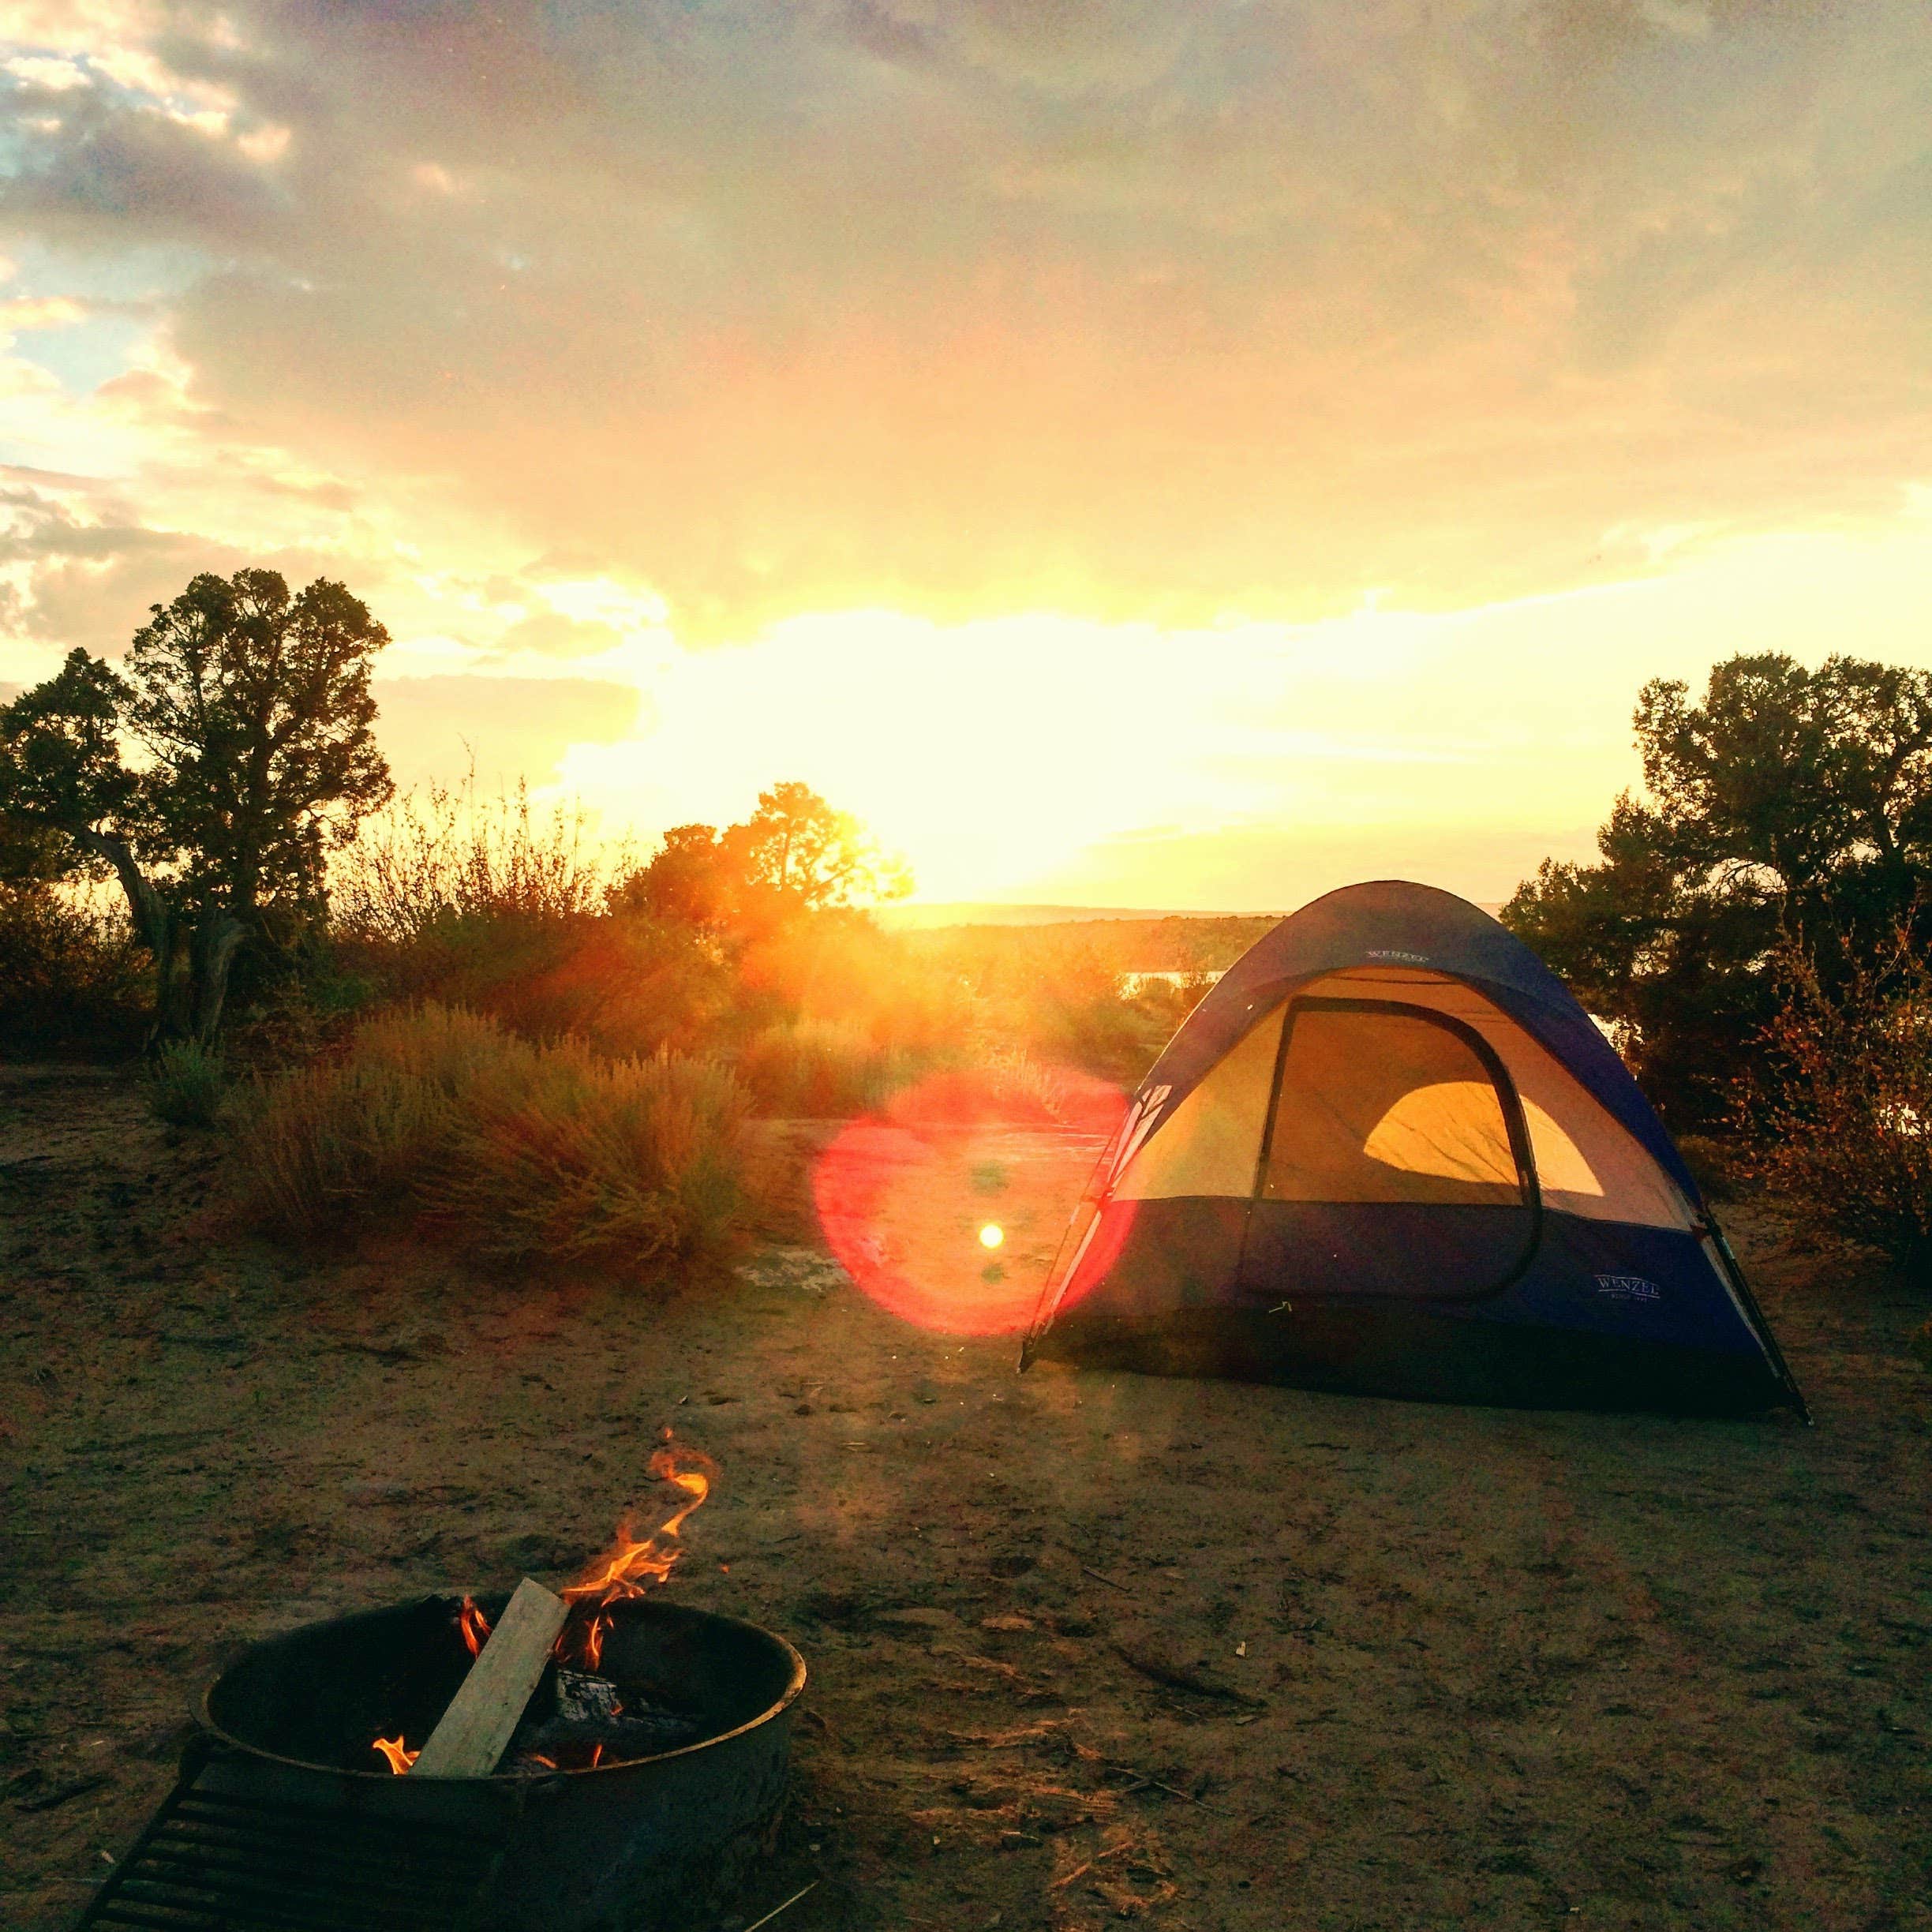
624, 1570
632, 1561
472, 1626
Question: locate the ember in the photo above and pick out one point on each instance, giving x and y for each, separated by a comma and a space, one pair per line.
391, 1748
472, 1626
593, 1713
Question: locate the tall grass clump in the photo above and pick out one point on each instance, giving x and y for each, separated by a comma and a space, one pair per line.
187, 1084
513, 1151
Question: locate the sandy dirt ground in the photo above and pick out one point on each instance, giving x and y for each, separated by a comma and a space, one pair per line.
1461, 1667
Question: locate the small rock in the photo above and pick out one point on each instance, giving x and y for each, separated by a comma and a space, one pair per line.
918, 1616
1010, 1621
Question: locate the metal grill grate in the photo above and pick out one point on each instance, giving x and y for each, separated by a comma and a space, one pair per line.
211, 1862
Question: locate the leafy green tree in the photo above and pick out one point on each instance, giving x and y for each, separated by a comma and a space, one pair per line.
251, 714
255, 707
1790, 805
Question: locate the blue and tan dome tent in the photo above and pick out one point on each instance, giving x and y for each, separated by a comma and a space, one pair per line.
1388, 1152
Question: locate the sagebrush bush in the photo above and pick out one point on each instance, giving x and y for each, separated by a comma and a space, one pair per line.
625, 985
624, 1162
512, 1151
1838, 1114
821, 1069
187, 1084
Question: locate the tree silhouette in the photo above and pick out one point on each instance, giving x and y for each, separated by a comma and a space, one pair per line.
794, 854
1789, 806
798, 847
254, 711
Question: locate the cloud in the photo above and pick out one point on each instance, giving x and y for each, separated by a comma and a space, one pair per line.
65, 582
77, 567
550, 634
1119, 349
100, 160
1124, 310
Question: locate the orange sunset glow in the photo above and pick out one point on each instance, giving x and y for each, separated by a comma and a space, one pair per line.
1128, 454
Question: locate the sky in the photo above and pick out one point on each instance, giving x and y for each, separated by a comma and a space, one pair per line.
1131, 453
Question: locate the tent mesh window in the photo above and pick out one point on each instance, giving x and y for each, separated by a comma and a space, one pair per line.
1386, 1107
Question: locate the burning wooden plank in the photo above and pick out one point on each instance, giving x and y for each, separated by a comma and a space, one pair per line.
473, 1733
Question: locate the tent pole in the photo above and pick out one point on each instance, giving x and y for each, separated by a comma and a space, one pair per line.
1767, 1340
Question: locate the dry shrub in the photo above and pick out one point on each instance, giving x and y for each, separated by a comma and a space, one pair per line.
1012, 1088
821, 1069
514, 1151
1051, 991
626, 1163
1838, 1112
68, 969
441, 854
837, 966
626, 986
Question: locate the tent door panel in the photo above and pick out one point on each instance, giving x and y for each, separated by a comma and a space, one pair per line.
1395, 1160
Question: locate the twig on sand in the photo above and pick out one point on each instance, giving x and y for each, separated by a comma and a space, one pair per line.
1142, 1781
777, 1909
1066, 1878
1086, 1569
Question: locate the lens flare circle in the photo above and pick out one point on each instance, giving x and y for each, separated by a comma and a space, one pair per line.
902, 1195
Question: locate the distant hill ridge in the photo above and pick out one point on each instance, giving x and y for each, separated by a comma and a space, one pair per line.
969, 912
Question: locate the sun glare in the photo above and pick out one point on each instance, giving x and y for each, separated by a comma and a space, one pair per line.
896, 1194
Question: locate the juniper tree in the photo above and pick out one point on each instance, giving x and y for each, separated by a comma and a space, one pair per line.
1790, 808
249, 714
